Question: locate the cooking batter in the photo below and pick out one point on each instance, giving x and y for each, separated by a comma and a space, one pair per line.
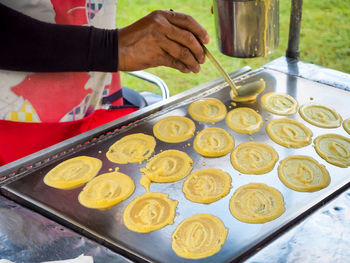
289, 133
334, 148
244, 120
279, 103
132, 148
320, 116
303, 173
199, 236
254, 158
207, 185
207, 110
174, 129
73, 172
256, 203
346, 125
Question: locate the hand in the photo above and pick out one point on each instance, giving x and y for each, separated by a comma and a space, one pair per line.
162, 38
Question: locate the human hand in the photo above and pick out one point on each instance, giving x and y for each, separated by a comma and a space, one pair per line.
162, 38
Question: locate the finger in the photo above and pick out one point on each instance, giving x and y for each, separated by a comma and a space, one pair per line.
171, 62
182, 54
189, 23
186, 39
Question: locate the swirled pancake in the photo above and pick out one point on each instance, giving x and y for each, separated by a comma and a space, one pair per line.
149, 212
73, 172
289, 133
320, 116
256, 203
132, 148
303, 173
346, 125
168, 166
207, 185
106, 190
254, 158
334, 148
199, 236
174, 129
279, 103
207, 110
244, 120
213, 142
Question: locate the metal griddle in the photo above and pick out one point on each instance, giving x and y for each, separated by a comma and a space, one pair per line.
107, 227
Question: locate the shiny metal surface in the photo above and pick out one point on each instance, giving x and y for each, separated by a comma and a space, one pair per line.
246, 28
107, 226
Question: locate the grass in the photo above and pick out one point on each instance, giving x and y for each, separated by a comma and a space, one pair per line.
325, 38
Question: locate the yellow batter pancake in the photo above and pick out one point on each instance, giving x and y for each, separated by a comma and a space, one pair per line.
132, 148
199, 236
320, 116
244, 120
73, 172
207, 185
149, 212
261, 86
303, 173
289, 133
174, 129
213, 142
207, 110
279, 103
334, 148
254, 158
106, 190
256, 203
168, 166
346, 125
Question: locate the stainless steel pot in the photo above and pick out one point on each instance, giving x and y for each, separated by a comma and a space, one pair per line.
247, 28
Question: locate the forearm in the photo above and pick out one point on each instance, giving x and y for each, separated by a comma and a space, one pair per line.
31, 45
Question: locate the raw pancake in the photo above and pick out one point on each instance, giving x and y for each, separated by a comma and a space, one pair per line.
213, 142
168, 166
256, 203
106, 190
199, 236
320, 116
279, 103
289, 133
346, 125
334, 148
132, 148
149, 212
73, 172
254, 158
207, 185
244, 120
207, 110
260, 87
174, 129
303, 173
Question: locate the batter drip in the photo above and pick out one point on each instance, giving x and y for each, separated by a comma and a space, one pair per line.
207, 110
244, 120
168, 166
207, 185
261, 86
149, 212
320, 116
106, 190
199, 236
132, 148
254, 158
303, 173
174, 129
279, 103
346, 125
73, 172
213, 142
256, 203
289, 133
334, 148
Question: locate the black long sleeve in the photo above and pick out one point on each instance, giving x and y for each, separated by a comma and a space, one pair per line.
27, 44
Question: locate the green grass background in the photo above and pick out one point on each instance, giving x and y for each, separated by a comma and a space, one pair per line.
325, 38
